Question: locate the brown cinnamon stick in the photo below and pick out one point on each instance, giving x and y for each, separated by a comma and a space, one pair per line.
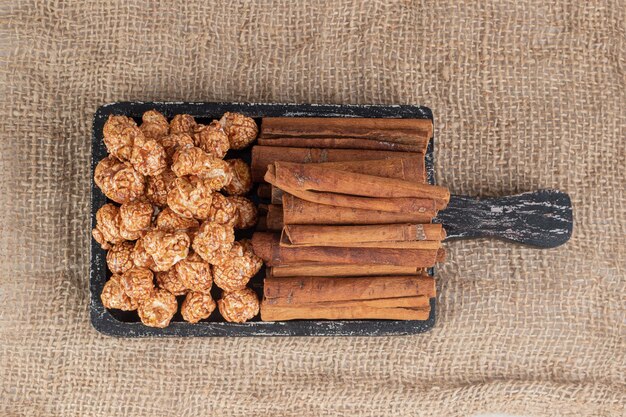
274, 219
408, 168
285, 242
340, 143
301, 178
267, 247
262, 156
319, 269
355, 310
298, 211
340, 235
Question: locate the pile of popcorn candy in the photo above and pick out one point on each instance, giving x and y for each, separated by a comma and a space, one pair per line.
173, 232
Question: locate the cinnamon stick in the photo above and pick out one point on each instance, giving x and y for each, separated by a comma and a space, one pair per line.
267, 247
408, 168
274, 219
285, 242
340, 143
415, 132
298, 211
301, 178
339, 235
320, 269
355, 310
262, 156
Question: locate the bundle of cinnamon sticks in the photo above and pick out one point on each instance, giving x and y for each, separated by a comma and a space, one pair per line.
348, 233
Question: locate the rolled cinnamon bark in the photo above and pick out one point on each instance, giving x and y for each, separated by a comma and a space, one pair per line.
339, 143
302, 178
274, 219
408, 168
320, 269
339, 235
347, 311
285, 242
262, 156
416, 132
298, 211
267, 247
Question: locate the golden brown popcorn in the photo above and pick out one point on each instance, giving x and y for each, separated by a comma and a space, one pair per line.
169, 280
119, 134
108, 225
222, 210
211, 139
190, 199
113, 295
154, 125
148, 156
195, 273
239, 306
246, 212
158, 186
141, 258
194, 161
135, 219
166, 248
138, 283
175, 141
239, 266
169, 221
197, 306
118, 181
214, 241
158, 309
242, 179
241, 130
120, 257
182, 123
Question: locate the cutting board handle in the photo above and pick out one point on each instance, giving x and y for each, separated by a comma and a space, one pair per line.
540, 218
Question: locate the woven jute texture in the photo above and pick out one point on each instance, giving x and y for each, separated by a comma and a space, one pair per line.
526, 95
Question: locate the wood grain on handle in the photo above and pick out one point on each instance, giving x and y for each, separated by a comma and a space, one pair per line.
540, 218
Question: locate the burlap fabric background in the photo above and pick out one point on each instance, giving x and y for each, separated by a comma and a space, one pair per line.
525, 94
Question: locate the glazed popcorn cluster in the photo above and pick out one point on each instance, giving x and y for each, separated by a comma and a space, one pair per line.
170, 230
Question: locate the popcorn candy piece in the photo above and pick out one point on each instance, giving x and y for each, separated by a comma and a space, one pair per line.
197, 306
148, 156
222, 210
190, 199
241, 130
118, 181
120, 257
194, 161
135, 219
214, 241
195, 273
182, 123
158, 309
107, 226
238, 306
119, 136
169, 280
246, 212
212, 139
154, 125
239, 266
141, 258
241, 183
138, 283
166, 248
175, 141
113, 295
158, 186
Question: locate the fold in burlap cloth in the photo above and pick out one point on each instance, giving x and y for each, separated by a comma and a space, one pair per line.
525, 95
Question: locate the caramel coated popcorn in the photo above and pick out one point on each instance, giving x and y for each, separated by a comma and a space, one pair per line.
222, 210
166, 248
158, 186
241, 183
138, 283
141, 258
118, 181
197, 306
182, 123
214, 241
120, 257
238, 306
246, 212
238, 267
148, 156
119, 136
158, 309
169, 280
195, 273
212, 139
154, 125
241, 130
194, 161
107, 229
176, 141
135, 219
113, 295
190, 199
